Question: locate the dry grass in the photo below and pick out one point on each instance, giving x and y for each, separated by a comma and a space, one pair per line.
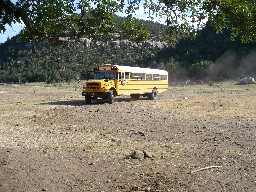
226, 101
50, 127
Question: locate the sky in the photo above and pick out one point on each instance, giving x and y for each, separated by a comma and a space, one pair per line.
10, 31
14, 29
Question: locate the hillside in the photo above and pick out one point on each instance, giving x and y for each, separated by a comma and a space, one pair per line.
211, 56
41, 61
207, 57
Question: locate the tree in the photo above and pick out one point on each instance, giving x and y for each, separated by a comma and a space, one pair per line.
52, 19
202, 69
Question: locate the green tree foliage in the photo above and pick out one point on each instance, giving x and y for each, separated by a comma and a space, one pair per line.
52, 19
202, 69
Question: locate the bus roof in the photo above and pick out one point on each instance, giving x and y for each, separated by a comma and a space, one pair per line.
141, 70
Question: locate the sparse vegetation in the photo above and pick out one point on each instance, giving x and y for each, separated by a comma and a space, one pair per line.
49, 134
190, 59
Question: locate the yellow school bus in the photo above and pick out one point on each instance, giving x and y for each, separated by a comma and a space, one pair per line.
110, 81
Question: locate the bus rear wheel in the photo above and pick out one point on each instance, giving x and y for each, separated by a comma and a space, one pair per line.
153, 94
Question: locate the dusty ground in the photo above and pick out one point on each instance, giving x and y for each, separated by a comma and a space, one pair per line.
51, 141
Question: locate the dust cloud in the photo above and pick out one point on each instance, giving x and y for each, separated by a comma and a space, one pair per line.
235, 66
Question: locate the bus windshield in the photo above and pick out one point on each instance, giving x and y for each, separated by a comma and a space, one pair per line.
105, 75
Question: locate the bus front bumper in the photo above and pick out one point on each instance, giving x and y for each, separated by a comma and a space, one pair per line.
95, 94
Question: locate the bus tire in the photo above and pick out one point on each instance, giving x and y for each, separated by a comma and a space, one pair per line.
110, 97
153, 94
88, 100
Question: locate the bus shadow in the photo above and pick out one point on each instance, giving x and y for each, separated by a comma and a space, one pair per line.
94, 102
123, 100
130, 99
67, 102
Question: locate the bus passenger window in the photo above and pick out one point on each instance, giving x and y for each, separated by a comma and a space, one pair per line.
149, 76
143, 76
156, 77
127, 75
121, 75
135, 76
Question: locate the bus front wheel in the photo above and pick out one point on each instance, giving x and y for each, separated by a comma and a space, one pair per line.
88, 99
110, 97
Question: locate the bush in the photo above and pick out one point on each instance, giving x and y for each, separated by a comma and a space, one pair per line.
202, 69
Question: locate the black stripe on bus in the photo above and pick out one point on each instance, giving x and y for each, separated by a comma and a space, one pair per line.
129, 89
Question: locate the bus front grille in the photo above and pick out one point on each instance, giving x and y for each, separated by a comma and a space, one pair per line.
93, 86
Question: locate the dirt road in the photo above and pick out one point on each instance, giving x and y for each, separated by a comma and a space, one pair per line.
194, 138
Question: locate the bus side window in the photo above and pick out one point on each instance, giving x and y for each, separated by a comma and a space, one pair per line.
121, 75
143, 76
149, 76
156, 77
134, 76
163, 77
127, 75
